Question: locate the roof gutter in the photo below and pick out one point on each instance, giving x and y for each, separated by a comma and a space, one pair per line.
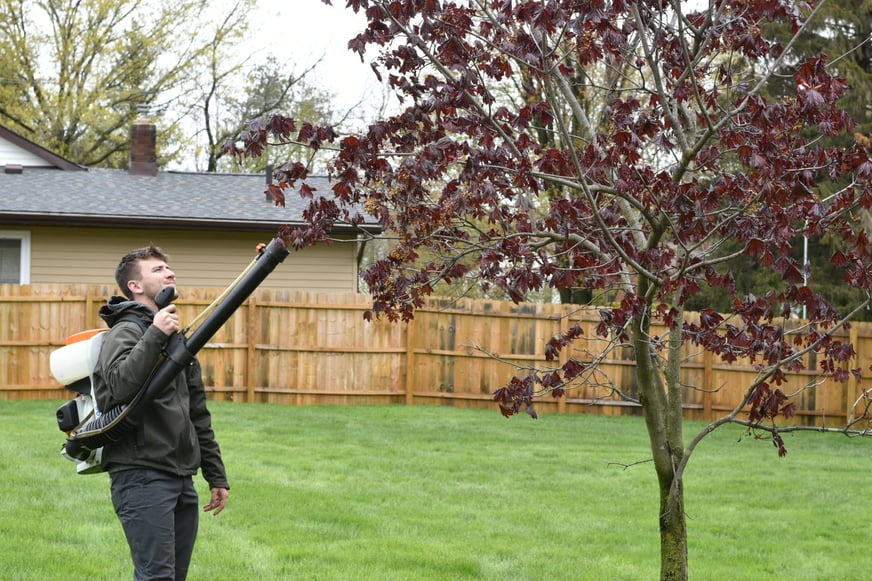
158, 222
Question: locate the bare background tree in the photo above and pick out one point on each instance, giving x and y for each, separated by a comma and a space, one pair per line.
75, 74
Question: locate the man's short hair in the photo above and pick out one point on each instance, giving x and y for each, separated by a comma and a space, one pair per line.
128, 268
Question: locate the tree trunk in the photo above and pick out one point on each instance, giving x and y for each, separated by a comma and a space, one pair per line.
673, 531
663, 418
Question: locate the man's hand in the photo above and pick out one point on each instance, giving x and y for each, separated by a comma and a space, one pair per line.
218, 500
167, 320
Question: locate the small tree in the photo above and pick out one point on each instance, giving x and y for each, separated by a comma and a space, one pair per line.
616, 146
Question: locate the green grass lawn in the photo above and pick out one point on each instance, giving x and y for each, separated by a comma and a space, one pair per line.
437, 493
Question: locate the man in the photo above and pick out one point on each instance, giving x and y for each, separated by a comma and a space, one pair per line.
151, 467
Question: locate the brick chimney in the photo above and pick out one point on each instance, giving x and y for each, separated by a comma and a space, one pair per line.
143, 145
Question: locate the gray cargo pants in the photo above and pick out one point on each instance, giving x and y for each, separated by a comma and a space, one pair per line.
159, 513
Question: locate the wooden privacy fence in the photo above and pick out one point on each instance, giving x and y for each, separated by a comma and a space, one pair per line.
305, 348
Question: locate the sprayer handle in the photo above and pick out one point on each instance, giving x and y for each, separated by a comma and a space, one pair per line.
166, 296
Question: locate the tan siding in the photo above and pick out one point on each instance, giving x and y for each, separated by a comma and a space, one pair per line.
199, 259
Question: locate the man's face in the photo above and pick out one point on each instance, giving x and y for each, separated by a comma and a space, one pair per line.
155, 275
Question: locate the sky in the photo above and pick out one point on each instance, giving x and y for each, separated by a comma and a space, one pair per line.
306, 30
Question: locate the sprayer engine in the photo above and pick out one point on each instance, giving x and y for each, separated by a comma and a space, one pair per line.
72, 365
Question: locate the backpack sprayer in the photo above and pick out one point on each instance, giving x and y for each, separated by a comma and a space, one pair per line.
74, 365
88, 429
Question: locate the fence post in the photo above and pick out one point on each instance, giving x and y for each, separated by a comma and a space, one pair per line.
852, 388
708, 378
90, 316
563, 357
410, 361
252, 331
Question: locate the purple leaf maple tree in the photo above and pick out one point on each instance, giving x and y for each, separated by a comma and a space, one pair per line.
622, 146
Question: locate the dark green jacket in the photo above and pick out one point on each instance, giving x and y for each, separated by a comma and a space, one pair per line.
175, 431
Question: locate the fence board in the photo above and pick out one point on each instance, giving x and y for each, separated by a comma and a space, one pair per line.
302, 348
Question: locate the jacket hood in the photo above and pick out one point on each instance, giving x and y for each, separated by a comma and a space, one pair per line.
119, 306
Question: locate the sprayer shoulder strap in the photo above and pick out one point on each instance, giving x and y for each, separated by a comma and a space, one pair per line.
144, 325
119, 413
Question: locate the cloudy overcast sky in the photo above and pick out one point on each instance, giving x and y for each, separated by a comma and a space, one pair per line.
304, 31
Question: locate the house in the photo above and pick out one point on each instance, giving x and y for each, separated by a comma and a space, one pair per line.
64, 223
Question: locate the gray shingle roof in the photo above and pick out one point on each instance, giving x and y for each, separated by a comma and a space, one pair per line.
169, 199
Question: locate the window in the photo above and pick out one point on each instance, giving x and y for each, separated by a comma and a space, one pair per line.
14, 257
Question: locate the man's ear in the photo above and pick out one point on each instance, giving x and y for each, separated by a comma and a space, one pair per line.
134, 287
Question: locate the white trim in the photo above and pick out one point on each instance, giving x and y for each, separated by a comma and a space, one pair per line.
24, 237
